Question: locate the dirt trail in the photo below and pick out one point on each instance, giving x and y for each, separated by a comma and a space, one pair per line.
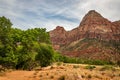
18, 75
64, 72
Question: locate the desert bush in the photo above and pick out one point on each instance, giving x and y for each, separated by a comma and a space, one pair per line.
61, 77
59, 63
98, 76
47, 74
40, 75
107, 67
89, 76
83, 76
76, 66
119, 74
51, 77
90, 67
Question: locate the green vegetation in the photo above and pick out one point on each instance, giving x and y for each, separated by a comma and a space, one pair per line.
67, 59
94, 42
111, 48
59, 63
76, 66
90, 67
107, 67
45, 55
24, 49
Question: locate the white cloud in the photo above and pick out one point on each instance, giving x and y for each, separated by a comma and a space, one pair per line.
26, 14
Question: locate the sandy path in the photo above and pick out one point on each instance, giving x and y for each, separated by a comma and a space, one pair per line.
68, 71
18, 75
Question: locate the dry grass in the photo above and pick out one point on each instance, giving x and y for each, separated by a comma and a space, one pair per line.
62, 71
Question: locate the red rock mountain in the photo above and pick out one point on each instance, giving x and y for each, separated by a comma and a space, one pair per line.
92, 26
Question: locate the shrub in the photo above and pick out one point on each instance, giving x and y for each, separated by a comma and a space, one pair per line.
40, 75
45, 55
47, 74
119, 74
90, 67
67, 59
83, 76
51, 77
59, 63
89, 76
61, 78
107, 67
76, 66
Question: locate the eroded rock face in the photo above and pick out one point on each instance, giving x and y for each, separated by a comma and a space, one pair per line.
117, 25
93, 25
58, 36
78, 43
96, 26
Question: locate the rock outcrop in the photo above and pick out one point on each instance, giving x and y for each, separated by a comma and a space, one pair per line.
93, 25
58, 35
95, 38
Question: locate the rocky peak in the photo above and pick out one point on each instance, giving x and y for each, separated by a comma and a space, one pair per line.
93, 17
60, 29
93, 13
58, 35
57, 31
93, 25
77, 42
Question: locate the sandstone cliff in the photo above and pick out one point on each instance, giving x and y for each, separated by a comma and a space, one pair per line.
95, 38
93, 25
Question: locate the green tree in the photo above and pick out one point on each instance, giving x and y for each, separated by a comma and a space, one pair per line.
45, 55
5, 30
6, 47
24, 49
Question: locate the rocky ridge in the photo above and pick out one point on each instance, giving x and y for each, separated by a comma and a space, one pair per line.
92, 26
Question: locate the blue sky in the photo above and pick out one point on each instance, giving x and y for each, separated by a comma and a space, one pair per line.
48, 14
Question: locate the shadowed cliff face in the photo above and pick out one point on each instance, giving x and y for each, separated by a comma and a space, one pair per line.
95, 38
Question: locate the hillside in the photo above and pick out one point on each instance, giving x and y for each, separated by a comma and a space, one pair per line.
95, 38
93, 49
